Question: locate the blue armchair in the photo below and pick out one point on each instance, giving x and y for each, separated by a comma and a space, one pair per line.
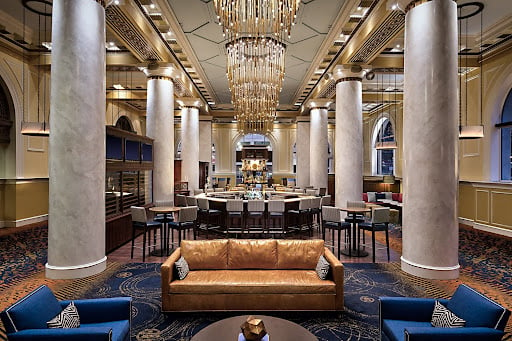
100, 319
405, 318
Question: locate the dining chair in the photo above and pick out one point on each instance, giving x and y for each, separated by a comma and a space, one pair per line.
191, 201
331, 220
181, 200
187, 220
140, 222
379, 222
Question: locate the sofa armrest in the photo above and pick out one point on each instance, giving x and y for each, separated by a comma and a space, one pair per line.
56, 334
338, 274
167, 270
102, 309
452, 334
407, 308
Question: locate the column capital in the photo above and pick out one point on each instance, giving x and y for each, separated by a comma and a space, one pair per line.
189, 102
158, 70
319, 103
406, 5
302, 119
348, 72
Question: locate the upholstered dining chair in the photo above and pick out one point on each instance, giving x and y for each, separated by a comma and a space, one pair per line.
331, 220
181, 201
97, 319
207, 213
379, 222
191, 201
187, 220
140, 222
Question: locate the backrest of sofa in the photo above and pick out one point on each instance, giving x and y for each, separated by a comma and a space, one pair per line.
32, 311
205, 254
252, 254
299, 254
476, 309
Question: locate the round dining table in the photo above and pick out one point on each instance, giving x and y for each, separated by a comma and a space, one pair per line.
354, 250
167, 211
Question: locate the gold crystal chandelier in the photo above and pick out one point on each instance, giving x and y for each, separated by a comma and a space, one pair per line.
255, 30
255, 71
256, 17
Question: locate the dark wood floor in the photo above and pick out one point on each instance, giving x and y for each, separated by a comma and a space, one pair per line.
122, 254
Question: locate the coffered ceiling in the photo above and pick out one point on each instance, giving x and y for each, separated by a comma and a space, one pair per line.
186, 33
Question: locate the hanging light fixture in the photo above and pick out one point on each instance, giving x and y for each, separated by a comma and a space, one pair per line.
256, 17
38, 128
382, 143
255, 71
467, 132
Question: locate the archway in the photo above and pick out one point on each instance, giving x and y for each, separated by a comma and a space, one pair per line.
383, 160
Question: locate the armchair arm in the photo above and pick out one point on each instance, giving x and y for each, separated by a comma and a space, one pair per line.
64, 334
452, 334
167, 270
407, 308
102, 309
337, 275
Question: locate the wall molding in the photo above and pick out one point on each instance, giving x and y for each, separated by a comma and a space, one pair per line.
487, 228
23, 222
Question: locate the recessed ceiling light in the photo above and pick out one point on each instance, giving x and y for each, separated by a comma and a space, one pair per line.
152, 6
118, 86
116, 2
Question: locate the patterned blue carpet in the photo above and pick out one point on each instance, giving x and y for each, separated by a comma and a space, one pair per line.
364, 283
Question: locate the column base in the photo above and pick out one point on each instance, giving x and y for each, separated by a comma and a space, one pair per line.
76, 271
430, 272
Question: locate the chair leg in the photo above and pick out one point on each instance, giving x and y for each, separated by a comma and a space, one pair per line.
373, 245
144, 246
339, 243
387, 240
133, 240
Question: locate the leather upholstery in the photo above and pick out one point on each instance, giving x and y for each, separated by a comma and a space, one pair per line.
252, 274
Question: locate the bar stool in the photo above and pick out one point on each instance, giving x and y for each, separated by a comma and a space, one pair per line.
302, 216
187, 219
181, 200
140, 222
234, 210
191, 201
315, 211
207, 212
379, 222
331, 219
276, 211
255, 210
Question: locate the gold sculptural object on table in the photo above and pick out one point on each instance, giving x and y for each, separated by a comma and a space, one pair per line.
253, 329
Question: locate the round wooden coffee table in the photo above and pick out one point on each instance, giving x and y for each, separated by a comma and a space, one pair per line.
277, 329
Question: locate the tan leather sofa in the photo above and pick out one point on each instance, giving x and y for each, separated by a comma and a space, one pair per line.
246, 274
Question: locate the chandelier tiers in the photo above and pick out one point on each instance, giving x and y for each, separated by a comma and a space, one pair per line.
255, 71
256, 18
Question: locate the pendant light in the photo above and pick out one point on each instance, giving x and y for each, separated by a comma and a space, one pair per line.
40, 127
381, 144
468, 132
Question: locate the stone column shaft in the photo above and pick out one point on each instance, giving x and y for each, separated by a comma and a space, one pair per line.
160, 127
349, 135
318, 143
190, 141
430, 234
302, 153
76, 226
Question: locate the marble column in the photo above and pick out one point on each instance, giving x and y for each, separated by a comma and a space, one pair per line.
430, 140
348, 155
318, 142
190, 141
160, 127
302, 152
205, 143
76, 223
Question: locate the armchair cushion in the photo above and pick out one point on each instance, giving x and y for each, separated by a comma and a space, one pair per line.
182, 268
322, 267
68, 318
443, 317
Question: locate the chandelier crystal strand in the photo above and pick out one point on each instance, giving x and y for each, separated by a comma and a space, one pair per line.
256, 17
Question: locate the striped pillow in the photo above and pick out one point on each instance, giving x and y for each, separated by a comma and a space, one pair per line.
68, 318
444, 318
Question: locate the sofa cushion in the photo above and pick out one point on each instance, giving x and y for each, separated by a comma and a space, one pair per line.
388, 195
365, 197
182, 268
252, 254
299, 254
253, 281
444, 318
394, 196
120, 329
380, 196
322, 267
371, 197
394, 329
205, 254
464, 302
32, 311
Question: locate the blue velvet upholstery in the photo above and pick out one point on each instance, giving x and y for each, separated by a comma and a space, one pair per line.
100, 319
405, 318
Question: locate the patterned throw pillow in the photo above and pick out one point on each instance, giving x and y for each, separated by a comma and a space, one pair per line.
68, 318
181, 268
442, 317
322, 267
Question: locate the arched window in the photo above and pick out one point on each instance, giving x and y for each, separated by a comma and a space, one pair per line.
383, 160
124, 123
506, 139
